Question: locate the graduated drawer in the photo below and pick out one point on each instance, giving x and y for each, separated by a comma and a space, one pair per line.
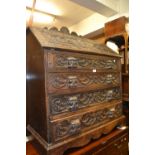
73, 102
76, 124
60, 61
61, 83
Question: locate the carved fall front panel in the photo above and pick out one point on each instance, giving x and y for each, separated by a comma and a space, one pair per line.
66, 103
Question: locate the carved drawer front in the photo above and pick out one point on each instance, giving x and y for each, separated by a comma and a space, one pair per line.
75, 82
83, 122
68, 61
70, 103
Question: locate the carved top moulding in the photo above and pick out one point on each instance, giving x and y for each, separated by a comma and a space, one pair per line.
63, 39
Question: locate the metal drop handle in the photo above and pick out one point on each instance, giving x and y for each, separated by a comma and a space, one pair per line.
72, 62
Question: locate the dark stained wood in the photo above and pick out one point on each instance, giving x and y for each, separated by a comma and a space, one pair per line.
62, 65
125, 86
36, 88
114, 143
104, 145
69, 61
58, 40
77, 141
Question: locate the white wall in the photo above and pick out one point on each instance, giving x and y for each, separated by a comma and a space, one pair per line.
89, 24
97, 21
114, 4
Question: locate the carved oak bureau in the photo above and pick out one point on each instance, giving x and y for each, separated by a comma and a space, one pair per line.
74, 90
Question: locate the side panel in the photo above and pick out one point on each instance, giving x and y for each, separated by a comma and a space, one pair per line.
35, 77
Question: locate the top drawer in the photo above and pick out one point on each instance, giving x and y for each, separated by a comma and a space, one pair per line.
60, 61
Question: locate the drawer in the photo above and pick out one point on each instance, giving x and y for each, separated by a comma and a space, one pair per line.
61, 83
60, 61
71, 103
77, 124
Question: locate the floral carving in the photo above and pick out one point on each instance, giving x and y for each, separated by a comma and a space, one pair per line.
65, 81
77, 62
76, 125
66, 103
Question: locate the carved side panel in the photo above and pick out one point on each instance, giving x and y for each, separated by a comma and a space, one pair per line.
66, 81
76, 125
76, 62
66, 103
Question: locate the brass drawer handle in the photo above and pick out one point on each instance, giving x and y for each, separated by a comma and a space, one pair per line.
110, 64
73, 103
109, 78
109, 95
72, 62
75, 127
72, 81
111, 113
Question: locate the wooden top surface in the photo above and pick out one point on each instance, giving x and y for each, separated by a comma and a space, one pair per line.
56, 39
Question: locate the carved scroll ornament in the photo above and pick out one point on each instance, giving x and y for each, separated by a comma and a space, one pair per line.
67, 103
65, 81
75, 126
77, 62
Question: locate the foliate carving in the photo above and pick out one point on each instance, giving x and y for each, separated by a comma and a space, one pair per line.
118, 110
58, 105
65, 81
105, 63
75, 126
54, 39
68, 128
95, 117
62, 128
66, 103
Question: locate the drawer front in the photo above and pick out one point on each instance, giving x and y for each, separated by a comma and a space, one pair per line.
83, 122
70, 103
75, 82
58, 61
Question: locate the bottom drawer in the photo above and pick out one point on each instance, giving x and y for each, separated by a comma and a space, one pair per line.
76, 124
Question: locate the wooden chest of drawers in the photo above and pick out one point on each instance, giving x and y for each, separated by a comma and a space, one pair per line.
73, 88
